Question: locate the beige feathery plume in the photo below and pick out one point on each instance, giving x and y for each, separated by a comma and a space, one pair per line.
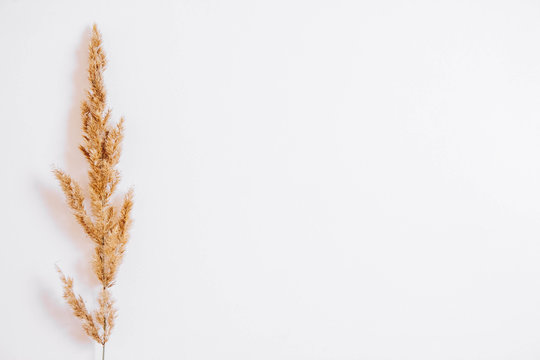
105, 225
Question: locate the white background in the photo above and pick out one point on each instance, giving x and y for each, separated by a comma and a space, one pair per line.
314, 179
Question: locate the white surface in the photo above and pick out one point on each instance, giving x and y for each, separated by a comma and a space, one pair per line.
314, 179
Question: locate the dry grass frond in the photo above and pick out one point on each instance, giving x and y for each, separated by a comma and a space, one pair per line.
75, 200
79, 308
105, 225
105, 314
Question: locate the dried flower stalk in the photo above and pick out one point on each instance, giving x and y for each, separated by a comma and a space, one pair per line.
105, 225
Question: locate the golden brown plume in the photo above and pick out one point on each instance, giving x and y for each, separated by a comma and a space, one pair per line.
105, 225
